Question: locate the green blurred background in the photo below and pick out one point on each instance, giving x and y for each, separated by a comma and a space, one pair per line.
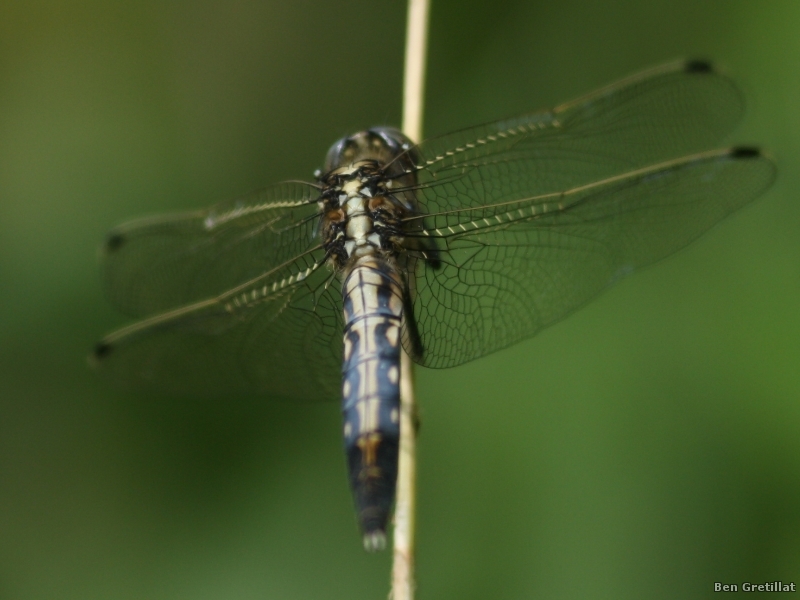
644, 448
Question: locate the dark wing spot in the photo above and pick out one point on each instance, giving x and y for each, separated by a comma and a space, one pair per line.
745, 152
698, 66
102, 350
114, 242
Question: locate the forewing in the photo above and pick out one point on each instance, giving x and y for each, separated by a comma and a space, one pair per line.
278, 335
664, 113
157, 264
509, 269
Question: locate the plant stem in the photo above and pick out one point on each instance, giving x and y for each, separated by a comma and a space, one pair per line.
403, 584
414, 80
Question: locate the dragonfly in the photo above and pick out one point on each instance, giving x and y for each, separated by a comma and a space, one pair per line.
448, 249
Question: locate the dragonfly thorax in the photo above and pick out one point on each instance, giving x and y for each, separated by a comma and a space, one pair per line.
363, 202
359, 216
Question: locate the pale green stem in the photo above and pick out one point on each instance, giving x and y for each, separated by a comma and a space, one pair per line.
403, 583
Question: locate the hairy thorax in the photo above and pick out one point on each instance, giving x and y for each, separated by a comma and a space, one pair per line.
366, 197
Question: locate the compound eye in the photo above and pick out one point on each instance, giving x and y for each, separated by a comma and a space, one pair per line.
393, 138
337, 154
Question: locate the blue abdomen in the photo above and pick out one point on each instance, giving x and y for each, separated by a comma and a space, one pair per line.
373, 313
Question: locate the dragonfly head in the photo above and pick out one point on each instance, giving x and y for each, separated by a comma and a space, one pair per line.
384, 145
390, 158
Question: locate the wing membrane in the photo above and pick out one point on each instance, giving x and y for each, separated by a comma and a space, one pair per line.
157, 264
241, 297
660, 114
278, 334
509, 269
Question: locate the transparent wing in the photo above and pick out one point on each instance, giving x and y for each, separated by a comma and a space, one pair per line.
279, 334
664, 113
157, 264
507, 269
242, 301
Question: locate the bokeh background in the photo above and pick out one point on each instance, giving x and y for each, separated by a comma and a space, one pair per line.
644, 448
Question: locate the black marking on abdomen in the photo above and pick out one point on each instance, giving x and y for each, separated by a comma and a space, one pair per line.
373, 312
